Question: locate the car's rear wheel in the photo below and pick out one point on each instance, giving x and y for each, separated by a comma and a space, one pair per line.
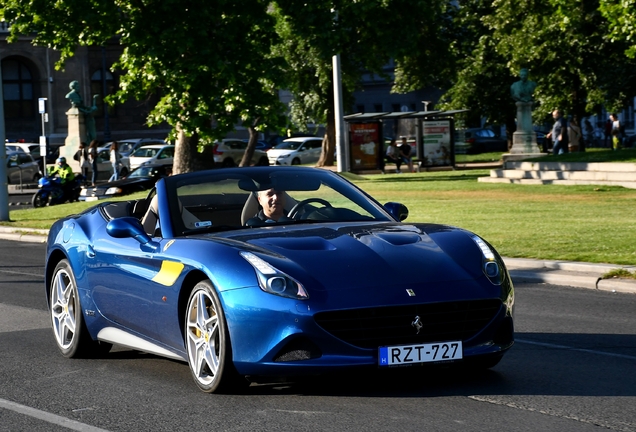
228, 163
296, 161
207, 342
67, 319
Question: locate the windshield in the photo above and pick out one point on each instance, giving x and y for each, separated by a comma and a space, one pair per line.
239, 198
146, 152
288, 145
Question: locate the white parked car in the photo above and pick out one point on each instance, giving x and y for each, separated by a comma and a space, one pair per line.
127, 146
157, 154
296, 151
105, 168
229, 152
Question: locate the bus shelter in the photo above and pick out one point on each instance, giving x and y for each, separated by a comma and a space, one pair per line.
430, 133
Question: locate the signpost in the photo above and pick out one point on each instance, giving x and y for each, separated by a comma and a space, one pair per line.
45, 118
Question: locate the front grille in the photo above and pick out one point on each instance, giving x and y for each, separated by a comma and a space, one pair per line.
392, 325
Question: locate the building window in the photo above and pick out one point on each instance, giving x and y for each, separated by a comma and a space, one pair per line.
361, 109
97, 88
377, 107
17, 88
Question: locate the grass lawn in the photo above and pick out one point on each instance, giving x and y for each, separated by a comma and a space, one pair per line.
577, 223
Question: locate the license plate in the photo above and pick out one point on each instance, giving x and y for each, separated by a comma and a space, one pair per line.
423, 353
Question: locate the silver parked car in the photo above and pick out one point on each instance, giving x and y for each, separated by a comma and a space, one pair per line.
22, 168
229, 152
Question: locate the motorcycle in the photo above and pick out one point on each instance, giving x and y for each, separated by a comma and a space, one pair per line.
50, 191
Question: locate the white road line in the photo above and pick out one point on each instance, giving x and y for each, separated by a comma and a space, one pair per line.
22, 273
48, 417
589, 351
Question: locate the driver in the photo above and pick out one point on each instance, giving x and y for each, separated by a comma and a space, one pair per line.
272, 202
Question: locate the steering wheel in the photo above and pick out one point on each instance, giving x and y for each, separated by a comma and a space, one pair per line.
296, 209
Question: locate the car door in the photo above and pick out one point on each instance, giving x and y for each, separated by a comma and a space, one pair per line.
314, 150
104, 167
165, 156
121, 277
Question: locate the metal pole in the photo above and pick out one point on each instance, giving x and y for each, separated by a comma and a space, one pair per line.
343, 156
4, 185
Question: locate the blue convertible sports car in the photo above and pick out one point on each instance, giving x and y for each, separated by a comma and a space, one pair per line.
246, 273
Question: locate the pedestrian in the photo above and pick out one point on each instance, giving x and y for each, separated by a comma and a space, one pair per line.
405, 152
392, 155
115, 160
559, 133
92, 159
574, 135
608, 133
616, 132
83, 161
589, 133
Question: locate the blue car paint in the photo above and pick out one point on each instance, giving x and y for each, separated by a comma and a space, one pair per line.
342, 265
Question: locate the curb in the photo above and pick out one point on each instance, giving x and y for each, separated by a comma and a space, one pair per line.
522, 270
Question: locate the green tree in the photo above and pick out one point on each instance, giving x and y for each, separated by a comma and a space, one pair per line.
366, 35
621, 15
208, 60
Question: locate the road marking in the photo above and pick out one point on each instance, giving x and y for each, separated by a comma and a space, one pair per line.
22, 273
589, 351
48, 417
18, 318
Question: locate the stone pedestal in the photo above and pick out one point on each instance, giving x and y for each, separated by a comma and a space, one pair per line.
524, 140
76, 130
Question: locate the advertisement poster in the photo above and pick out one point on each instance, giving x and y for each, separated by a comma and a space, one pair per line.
365, 144
437, 142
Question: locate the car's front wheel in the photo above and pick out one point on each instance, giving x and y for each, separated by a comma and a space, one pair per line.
207, 342
67, 319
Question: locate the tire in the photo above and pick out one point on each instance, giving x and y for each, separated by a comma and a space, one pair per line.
207, 342
69, 328
39, 199
228, 163
296, 161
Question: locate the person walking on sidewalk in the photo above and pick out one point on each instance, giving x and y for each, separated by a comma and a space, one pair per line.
115, 160
92, 160
559, 133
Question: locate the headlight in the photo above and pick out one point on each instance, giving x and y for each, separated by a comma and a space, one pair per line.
113, 190
273, 281
490, 264
284, 156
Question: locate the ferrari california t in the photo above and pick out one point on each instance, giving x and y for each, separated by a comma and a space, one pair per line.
253, 273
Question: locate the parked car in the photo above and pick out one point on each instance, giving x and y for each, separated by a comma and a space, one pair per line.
142, 178
127, 146
157, 154
261, 145
229, 152
105, 167
339, 283
22, 168
483, 140
296, 151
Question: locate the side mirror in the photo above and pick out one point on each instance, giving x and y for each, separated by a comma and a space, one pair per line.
130, 227
397, 210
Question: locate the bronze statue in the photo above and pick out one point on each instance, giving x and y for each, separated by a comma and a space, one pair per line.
522, 90
77, 102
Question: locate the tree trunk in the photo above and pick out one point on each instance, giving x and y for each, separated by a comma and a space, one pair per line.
329, 140
251, 146
184, 152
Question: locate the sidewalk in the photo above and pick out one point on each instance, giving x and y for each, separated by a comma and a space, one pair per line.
568, 273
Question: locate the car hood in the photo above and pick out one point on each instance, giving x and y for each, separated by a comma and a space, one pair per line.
370, 254
280, 152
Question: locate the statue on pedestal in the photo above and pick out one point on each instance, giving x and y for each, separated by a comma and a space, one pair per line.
77, 102
522, 90
524, 140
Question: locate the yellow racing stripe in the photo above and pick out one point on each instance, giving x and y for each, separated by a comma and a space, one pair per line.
169, 273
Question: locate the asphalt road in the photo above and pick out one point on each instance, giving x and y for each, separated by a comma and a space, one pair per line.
571, 369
